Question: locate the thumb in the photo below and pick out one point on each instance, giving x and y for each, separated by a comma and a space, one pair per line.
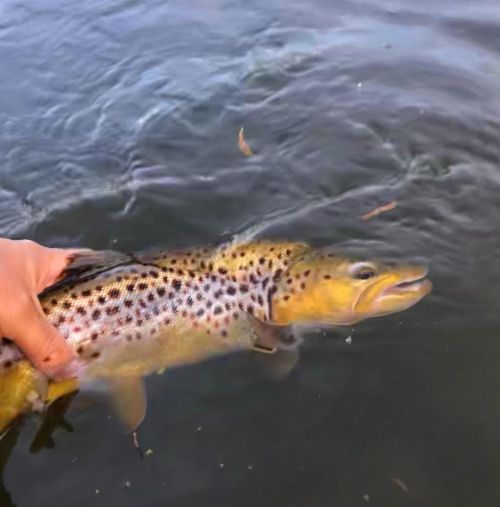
39, 340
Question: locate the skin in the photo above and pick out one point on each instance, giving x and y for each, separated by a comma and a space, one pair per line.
26, 269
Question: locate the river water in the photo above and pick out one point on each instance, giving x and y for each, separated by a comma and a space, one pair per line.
119, 122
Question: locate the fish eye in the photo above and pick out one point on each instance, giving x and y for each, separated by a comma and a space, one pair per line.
365, 275
362, 271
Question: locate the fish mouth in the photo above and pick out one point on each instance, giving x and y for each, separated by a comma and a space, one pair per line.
415, 284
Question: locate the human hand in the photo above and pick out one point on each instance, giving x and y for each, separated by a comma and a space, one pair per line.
26, 269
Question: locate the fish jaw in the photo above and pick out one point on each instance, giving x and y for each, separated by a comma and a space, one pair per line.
395, 291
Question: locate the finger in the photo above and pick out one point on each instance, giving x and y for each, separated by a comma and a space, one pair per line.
39, 340
56, 262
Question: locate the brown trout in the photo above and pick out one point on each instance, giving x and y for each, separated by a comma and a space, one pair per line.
127, 316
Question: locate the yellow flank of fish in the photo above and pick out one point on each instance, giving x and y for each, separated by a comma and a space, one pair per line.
127, 316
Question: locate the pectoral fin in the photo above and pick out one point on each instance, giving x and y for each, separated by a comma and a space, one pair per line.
128, 396
269, 338
278, 347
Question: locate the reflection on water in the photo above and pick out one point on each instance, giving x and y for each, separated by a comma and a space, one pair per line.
119, 129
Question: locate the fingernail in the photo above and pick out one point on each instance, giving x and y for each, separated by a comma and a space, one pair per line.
68, 370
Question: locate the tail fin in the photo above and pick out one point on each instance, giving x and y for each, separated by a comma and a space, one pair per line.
21, 387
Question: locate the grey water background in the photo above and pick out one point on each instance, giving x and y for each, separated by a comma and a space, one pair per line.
119, 122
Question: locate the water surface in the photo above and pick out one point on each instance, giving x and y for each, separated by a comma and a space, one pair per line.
119, 124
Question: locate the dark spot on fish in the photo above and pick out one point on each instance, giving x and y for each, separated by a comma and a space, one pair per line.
128, 303
53, 301
79, 350
286, 298
243, 288
327, 277
151, 297
143, 286
95, 355
130, 287
81, 310
67, 304
223, 271
262, 260
94, 336
260, 300
223, 333
112, 310
189, 301
250, 309
231, 290
302, 285
277, 275
114, 293
160, 291
86, 293
154, 274
176, 284
96, 314
101, 300
74, 295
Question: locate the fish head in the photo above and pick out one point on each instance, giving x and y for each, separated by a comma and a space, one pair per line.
336, 290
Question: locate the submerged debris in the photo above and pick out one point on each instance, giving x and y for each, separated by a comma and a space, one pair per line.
242, 144
379, 210
400, 484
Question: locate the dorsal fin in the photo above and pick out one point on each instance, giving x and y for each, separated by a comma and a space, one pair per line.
87, 264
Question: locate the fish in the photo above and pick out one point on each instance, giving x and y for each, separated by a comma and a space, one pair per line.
129, 315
